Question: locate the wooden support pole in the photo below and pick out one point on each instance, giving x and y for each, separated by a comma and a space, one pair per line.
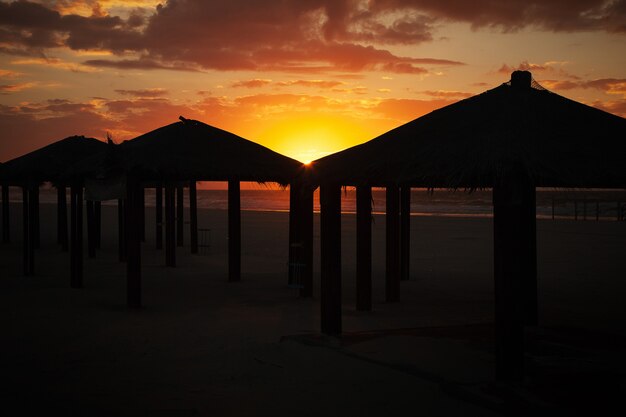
141, 214
33, 226
121, 229
91, 230
36, 228
510, 254
330, 256
159, 216
134, 210
76, 248
170, 243
531, 306
405, 232
234, 231
392, 279
26, 239
306, 236
295, 242
180, 216
364, 248
597, 210
97, 205
6, 231
193, 217
552, 208
62, 236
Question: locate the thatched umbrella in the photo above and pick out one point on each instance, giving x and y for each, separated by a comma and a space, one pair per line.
188, 151
48, 164
512, 138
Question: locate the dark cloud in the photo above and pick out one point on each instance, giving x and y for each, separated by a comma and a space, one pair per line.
512, 15
144, 93
293, 36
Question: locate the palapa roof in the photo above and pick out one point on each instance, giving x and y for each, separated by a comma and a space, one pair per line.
50, 162
518, 127
193, 150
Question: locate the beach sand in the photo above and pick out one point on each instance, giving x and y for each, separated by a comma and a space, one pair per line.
204, 346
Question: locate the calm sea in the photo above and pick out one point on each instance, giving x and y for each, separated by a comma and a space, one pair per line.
567, 203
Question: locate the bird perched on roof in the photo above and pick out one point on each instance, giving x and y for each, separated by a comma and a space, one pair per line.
182, 119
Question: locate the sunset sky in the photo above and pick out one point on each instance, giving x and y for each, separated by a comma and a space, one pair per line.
305, 78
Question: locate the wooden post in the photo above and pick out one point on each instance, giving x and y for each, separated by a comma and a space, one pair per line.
134, 210
141, 214
585, 208
552, 208
76, 248
575, 209
597, 210
36, 229
159, 216
364, 248
61, 215
170, 243
510, 253
33, 226
121, 229
180, 216
6, 231
91, 230
97, 206
530, 279
330, 256
392, 215
405, 232
234, 231
295, 243
193, 217
306, 236
27, 243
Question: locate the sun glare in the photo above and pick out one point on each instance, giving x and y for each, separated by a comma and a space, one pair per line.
309, 138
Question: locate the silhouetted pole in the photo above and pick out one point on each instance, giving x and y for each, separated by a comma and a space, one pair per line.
134, 210
530, 281
392, 215
193, 217
306, 236
180, 216
141, 214
364, 248
36, 229
405, 232
159, 216
295, 243
510, 215
170, 243
91, 230
27, 248
62, 217
6, 231
121, 229
97, 206
234, 231
76, 236
330, 257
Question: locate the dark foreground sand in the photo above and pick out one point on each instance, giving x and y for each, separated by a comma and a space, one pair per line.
203, 346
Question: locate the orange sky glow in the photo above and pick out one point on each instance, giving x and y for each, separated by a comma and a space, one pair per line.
304, 78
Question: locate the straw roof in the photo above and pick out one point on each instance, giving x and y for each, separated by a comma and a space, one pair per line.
475, 142
191, 150
50, 162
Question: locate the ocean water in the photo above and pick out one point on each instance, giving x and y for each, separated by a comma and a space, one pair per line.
567, 203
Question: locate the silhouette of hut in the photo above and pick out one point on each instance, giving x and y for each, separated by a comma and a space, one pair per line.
29, 171
512, 138
183, 153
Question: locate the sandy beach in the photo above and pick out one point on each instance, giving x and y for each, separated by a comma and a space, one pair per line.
203, 346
